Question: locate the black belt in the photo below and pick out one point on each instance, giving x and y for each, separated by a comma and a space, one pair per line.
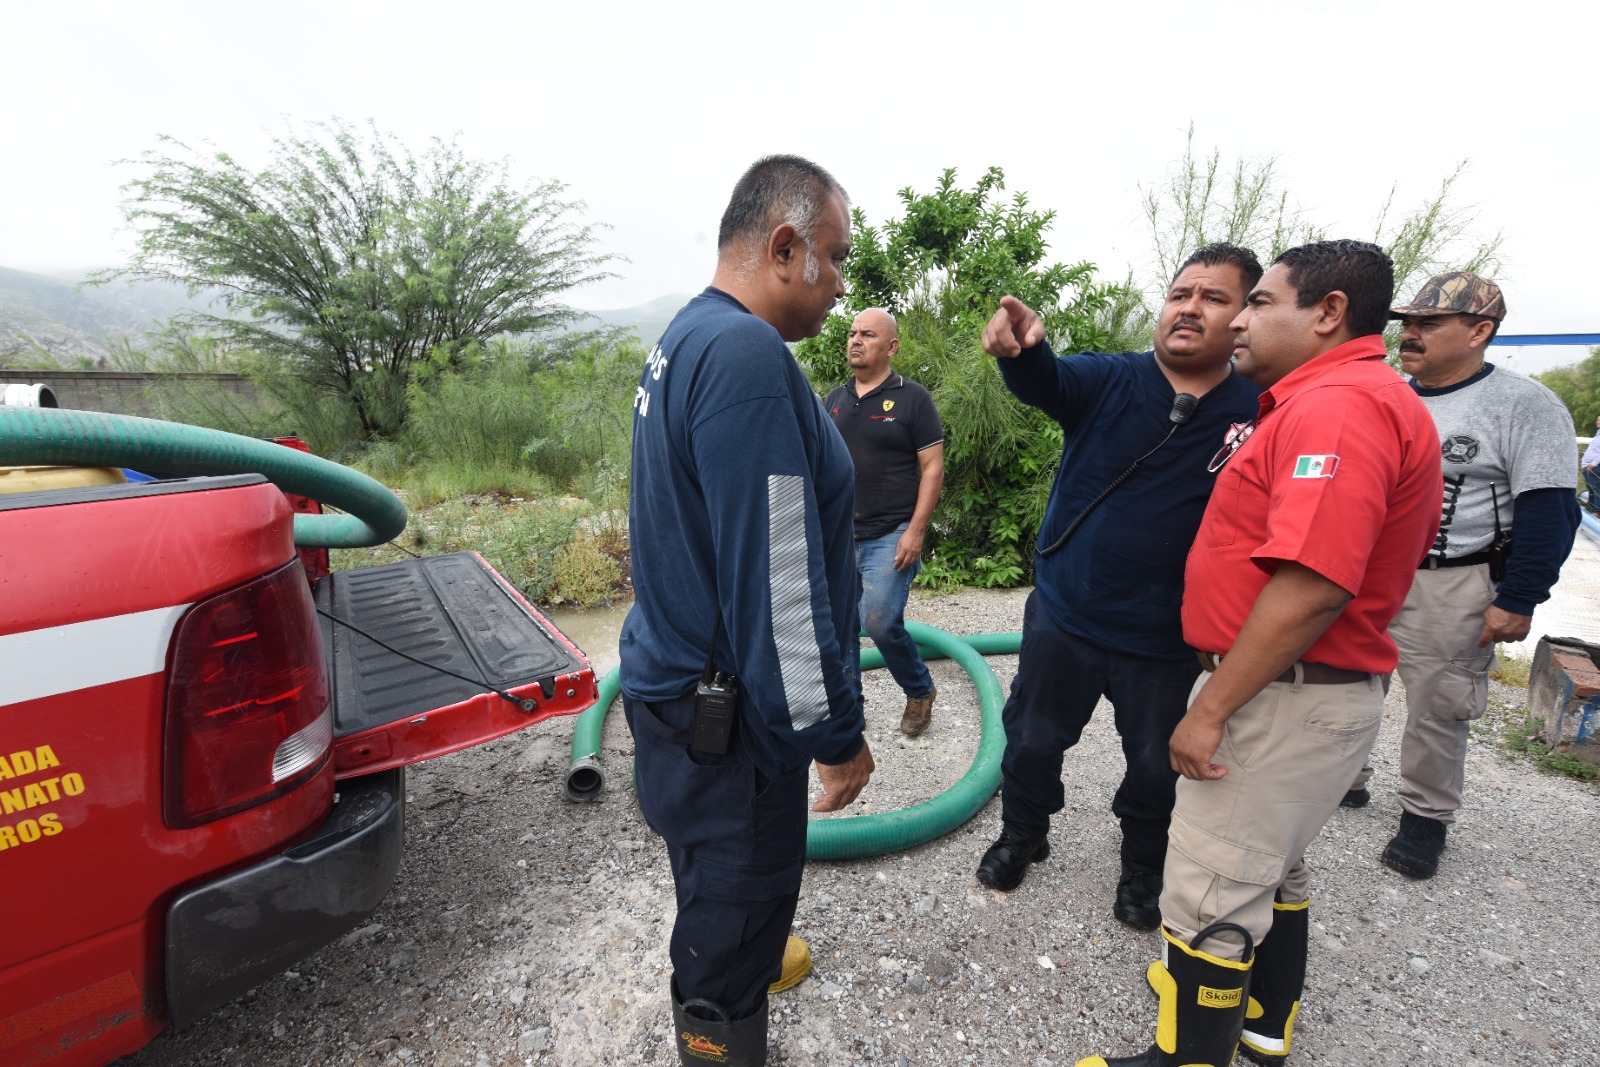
1433, 563
1310, 673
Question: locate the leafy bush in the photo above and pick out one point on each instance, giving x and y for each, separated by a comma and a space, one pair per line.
519, 450
941, 269
584, 572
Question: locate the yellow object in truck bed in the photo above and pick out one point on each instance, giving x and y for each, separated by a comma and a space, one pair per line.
33, 479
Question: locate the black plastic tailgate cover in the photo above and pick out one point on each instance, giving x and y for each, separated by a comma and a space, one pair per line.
452, 612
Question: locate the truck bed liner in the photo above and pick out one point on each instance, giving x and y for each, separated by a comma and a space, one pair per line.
450, 611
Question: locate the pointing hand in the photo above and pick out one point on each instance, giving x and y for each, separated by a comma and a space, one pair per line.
1014, 327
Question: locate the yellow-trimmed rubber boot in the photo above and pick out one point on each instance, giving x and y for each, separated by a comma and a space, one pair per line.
1202, 1006
796, 965
1276, 984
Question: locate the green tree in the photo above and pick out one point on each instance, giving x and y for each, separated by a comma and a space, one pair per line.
941, 268
1579, 388
349, 260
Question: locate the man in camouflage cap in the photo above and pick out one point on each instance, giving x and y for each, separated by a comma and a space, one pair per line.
1508, 520
1457, 292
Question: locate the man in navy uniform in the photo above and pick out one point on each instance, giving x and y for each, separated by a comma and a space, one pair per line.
740, 656
1103, 619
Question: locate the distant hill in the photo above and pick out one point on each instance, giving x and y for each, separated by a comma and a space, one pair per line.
49, 316
649, 320
44, 317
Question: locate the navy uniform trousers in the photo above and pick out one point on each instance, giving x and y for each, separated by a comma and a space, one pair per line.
1060, 678
737, 842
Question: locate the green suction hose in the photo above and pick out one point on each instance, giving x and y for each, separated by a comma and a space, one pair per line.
859, 836
50, 437
586, 778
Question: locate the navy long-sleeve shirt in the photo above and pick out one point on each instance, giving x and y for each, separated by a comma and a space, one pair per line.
1547, 524
1118, 582
742, 501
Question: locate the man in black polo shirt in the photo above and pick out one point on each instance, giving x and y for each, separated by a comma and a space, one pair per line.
897, 443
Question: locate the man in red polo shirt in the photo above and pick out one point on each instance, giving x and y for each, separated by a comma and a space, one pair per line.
1322, 508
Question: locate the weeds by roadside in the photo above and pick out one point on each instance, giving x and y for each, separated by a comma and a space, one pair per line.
1517, 738
1510, 669
1509, 725
554, 550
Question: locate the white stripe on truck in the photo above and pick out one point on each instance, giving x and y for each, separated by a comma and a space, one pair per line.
80, 655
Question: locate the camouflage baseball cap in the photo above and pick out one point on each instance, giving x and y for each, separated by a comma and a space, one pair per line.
1456, 292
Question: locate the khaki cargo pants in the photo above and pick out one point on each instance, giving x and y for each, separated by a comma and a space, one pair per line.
1446, 676
1235, 841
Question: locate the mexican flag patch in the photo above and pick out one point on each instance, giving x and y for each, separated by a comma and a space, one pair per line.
1316, 466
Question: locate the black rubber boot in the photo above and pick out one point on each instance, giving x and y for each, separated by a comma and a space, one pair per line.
1276, 983
1414, 851
1138, 900
704, 1034
1003, 866
1202, 1006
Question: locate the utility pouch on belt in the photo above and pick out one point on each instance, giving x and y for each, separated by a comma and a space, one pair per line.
1499, 551
716, 705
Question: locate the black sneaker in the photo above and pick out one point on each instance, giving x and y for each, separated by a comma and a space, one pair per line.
1138, 900
1414, 851
1003, 866
1355, 798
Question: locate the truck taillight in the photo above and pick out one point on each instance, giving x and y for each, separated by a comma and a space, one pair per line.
248, 714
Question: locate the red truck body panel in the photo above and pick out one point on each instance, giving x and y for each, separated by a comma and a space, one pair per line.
111, 912
77, 757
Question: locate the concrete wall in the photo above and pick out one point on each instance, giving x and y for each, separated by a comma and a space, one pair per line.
119, 392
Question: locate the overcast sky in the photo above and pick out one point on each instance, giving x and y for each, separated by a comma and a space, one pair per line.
649, 112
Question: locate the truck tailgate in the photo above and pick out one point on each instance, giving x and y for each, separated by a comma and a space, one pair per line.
451, 612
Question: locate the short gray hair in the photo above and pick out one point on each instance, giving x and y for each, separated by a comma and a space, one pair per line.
777, 190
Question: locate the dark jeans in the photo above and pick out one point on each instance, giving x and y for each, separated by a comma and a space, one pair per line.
737, 843
1592, 480
1060, 678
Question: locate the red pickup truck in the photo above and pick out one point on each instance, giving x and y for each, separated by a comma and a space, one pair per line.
203, 737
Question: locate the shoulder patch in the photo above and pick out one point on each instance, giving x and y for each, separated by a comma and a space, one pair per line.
1316, 466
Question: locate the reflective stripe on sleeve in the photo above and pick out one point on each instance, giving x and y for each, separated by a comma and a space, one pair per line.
789, 584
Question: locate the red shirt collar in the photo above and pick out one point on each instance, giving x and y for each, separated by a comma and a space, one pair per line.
1370, 346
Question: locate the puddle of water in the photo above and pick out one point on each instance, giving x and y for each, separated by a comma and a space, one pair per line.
594, 630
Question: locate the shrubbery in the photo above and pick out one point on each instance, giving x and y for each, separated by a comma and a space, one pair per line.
520, 451
554, 550
941, 269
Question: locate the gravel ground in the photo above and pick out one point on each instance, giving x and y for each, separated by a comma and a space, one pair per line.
525, 929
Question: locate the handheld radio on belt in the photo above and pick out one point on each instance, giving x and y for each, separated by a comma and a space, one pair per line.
716, 704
